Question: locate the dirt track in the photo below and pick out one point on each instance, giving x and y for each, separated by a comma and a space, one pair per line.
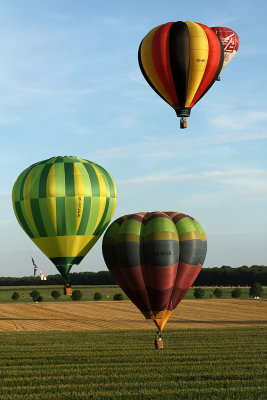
124, 315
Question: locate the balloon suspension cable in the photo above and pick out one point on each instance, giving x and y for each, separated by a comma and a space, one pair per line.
183, 123
158, 341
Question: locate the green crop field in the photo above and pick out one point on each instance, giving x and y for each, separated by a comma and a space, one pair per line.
107, 293
197, 364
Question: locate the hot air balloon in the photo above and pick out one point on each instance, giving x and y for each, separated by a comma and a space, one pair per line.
230, 43
155, 257
181, 61
64, 204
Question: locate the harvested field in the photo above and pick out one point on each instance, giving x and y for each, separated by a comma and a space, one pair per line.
107, 315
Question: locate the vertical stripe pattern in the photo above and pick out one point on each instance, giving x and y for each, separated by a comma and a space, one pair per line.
155, 258
180, 61
64, 204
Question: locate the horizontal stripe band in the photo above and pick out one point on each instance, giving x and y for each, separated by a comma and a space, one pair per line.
66, 260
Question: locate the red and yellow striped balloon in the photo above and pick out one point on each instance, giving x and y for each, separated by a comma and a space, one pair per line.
181, 61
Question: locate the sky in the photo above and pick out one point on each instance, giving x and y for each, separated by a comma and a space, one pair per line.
70, 84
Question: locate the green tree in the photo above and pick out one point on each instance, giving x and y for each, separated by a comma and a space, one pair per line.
35, 295
55, 294
15, 296
255, 290
76, 295
118, 296
236, 293
218, 292
97, 296
199, 293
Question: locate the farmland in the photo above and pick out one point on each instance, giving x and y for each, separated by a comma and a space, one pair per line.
112, 315
107, 292
197, 364
213, 350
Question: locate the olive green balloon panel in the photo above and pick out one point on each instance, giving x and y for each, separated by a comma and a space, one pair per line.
155, 258
64, 204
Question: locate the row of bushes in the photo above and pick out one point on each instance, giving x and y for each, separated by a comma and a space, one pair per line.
254, 291
76, 295
199, 293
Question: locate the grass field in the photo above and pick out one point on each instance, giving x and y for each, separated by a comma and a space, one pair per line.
88, 292
196, 364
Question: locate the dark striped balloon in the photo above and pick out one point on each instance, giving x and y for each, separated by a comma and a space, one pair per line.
181, 61
64, 204
155, 258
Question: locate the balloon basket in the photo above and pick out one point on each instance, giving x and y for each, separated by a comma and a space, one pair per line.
158, 341
183, 123
68, 291
159, 344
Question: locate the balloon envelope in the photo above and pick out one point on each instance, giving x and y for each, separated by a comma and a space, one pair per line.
64, 204
229, 40
180, 61
155, 258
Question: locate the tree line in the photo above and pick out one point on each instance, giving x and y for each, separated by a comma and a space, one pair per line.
228, 276
223, 276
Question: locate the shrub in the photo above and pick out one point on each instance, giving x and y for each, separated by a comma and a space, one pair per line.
236, 293
255, 290
118, 296
15, 296
76, 295
55, 294
97, 296
40, 298
218, 293
35, 295
199, 293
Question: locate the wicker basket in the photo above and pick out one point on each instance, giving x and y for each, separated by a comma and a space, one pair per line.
68, 291
159, 344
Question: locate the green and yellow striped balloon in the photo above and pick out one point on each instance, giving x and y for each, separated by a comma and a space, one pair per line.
64, 204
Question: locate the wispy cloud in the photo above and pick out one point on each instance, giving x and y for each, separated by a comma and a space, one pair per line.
227, 20
248, 51
5, 194
237, 176
9, 119
6, 221
251, 180
57, 66
155, 179
239, 120
60, 17
245, 183
152, 146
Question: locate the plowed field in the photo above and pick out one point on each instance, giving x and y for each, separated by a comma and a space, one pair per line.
124, 315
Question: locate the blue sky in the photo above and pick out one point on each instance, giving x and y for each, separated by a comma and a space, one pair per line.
70, 84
